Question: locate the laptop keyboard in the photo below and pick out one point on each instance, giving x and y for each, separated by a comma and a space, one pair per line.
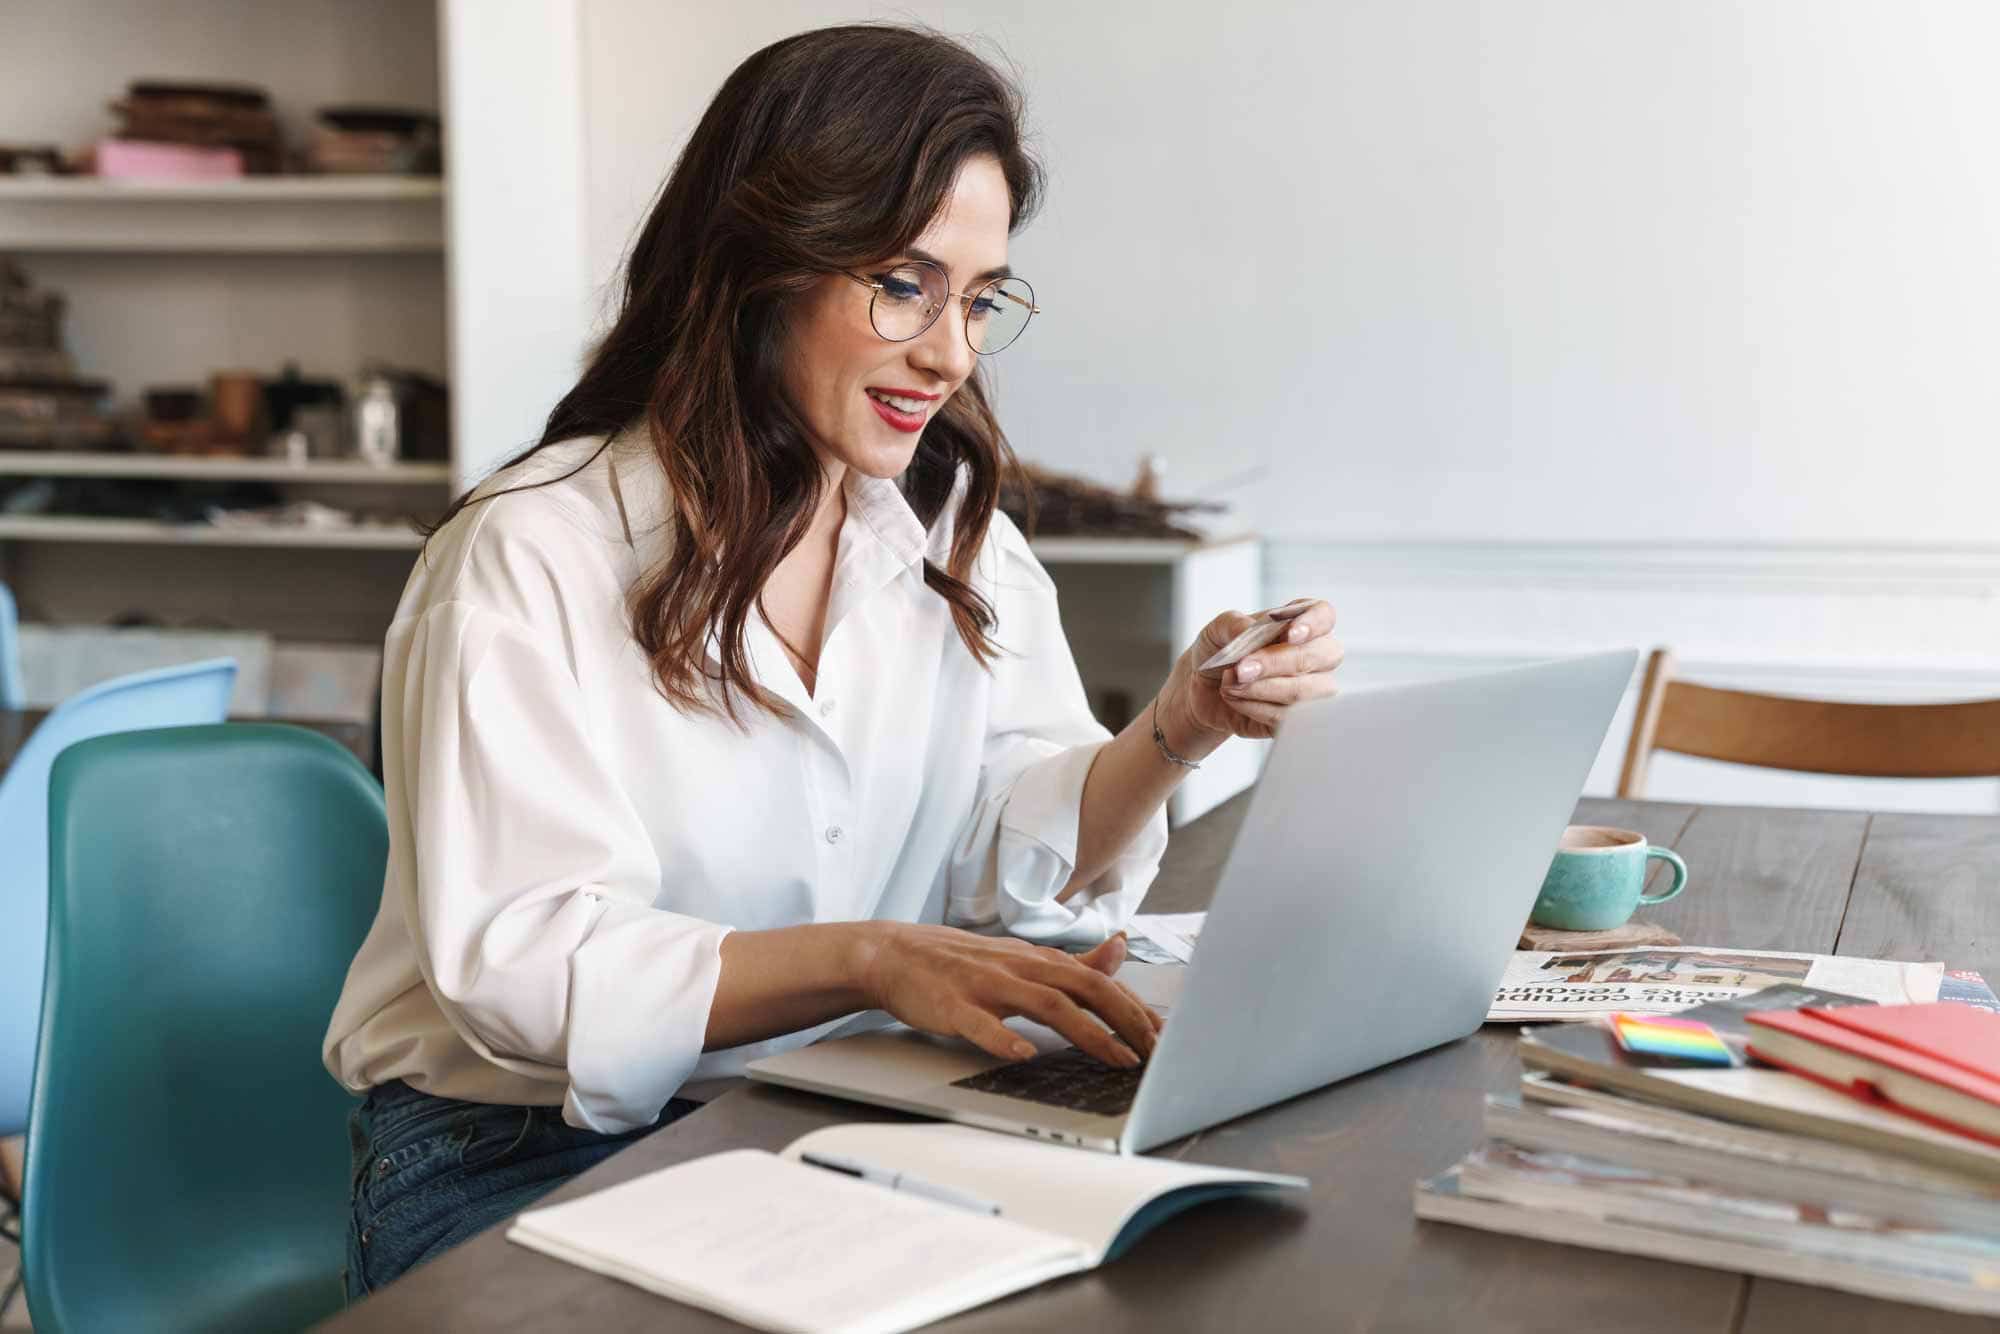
1067, 1078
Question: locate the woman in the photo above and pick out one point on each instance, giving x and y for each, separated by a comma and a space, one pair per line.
704, 716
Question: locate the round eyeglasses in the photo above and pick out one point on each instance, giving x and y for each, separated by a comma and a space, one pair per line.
909, 298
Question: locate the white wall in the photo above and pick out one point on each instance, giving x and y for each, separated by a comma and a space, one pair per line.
519, 288
1546, 324
1594, 269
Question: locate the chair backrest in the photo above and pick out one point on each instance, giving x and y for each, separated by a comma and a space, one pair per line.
168, 697
13, 695
188, 1165
1960, 740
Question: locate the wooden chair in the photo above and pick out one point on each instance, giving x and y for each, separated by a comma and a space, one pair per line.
1808, 735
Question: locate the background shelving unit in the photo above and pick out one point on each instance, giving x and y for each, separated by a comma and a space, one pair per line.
169, 282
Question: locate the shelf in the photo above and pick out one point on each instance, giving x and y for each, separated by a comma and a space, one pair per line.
1120, 550
259, 214
154, 532
247, 189
55, 463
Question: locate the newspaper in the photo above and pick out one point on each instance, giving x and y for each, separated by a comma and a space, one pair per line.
1163, 937
1968, 988
1542, 985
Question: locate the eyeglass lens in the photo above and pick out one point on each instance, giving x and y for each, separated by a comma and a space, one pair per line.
912, 296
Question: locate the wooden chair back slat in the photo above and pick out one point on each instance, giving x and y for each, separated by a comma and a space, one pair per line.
1959, 740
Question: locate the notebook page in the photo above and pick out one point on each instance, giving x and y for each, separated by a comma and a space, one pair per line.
786, 1247
1079, 1193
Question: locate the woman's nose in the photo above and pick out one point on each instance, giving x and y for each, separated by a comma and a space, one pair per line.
942, 349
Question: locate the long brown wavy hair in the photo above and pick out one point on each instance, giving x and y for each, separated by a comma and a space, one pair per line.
827, 151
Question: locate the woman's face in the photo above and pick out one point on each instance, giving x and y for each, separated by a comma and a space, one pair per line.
839, 369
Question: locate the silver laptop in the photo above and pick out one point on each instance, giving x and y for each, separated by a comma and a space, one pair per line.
1389, 857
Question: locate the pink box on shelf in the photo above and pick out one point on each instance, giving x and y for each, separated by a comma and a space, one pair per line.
138, 160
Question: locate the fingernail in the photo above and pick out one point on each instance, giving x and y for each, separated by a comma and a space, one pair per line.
1128, 1058
1023, 1050
1248, 671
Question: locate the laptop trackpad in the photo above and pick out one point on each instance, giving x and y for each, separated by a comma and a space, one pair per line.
896, 1062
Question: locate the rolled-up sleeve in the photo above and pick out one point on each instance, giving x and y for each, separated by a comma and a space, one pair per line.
531, 898
1018, 848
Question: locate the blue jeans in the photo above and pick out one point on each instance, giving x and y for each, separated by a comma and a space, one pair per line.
430, 1172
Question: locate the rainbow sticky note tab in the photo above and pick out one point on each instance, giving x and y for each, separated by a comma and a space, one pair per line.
1677, 1039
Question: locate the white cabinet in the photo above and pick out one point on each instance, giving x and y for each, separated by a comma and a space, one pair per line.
1129, 606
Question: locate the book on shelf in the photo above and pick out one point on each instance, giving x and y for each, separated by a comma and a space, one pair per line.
811, 1238
1746, 1168
1938, 1063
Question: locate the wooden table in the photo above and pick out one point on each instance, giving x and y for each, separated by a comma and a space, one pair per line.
1354, 1258
17, 724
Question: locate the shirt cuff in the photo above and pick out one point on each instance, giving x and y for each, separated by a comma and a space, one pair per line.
641, 987
1036, 857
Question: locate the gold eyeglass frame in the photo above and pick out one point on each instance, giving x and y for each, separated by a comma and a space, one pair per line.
965, 300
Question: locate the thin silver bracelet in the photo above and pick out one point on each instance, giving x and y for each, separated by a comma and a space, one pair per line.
1160, 740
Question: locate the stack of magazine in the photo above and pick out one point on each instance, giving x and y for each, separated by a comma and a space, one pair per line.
1746, 1168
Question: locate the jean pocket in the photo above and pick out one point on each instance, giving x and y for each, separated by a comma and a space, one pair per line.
496, 1135
410, 1119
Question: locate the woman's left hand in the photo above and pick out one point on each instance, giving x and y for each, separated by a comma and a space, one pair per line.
1250, 698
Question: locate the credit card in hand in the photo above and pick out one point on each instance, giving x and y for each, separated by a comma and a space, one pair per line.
1268, 628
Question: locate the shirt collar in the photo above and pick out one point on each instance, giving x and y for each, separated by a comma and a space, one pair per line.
882, 538
639, 492
885, 511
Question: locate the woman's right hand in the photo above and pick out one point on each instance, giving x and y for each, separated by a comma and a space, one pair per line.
958, 984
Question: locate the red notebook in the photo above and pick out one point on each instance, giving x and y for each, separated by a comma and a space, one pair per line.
1939, 1063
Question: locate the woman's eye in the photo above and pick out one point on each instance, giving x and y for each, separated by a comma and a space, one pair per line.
899, 289
982, 308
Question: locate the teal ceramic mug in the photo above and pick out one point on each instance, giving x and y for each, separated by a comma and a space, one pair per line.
1597, 877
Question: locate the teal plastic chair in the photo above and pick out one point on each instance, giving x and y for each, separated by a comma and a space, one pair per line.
188, 1165
168, 697
12, 694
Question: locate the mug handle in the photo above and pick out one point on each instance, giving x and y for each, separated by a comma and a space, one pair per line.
1680, 874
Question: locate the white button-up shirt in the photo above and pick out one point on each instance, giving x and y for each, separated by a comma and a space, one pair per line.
567, 849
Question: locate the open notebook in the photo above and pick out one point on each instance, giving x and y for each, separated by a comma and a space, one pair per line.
769, 1241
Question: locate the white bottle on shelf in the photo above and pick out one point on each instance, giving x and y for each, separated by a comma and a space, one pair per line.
377, 422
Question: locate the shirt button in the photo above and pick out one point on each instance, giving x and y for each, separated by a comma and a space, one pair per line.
826, 708
833, 833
